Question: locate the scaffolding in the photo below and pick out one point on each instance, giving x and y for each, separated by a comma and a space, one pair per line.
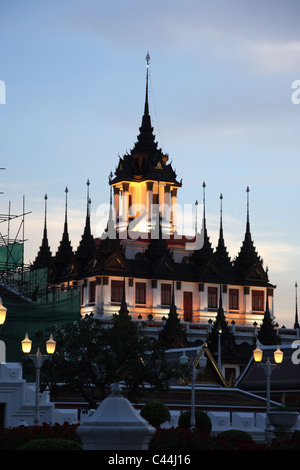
15, 275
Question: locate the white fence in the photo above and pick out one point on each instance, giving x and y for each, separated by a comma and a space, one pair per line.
253, 423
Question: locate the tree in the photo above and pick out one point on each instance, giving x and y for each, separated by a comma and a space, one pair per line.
156, 413
91, 355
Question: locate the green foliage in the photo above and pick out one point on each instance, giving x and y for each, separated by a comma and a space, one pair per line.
203, 422
91, 355
234, 436
51, 444
156, 413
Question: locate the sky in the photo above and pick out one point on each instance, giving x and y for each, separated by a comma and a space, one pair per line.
222, 103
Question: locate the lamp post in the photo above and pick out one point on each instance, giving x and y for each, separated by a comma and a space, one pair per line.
202, 364
268, 368
38, 360
219, 348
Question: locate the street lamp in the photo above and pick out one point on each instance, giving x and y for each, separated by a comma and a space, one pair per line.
38, 360
201, 360
278, 356
3, 311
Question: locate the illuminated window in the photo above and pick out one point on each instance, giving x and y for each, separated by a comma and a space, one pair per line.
155, 199
166, 294
212, 297
116, 291
92, 292
233, 299
258, 300
82, 294
140, 293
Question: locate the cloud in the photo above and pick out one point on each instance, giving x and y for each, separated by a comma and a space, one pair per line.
271, 57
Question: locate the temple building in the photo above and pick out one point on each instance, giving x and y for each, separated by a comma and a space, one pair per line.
143, 258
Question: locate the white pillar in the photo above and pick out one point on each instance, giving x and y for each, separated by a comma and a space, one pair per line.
125, 205
149, 203
174, 210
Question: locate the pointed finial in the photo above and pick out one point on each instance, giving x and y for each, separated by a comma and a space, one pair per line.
204, 186
248, 220
148, 59
221, 211
196, 218
146, 110
296, 324
88, 199
66, 191
45, 198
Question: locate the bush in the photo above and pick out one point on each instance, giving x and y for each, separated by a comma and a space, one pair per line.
203, 422
13, 438
184, 440
51, 444
181, 440
234, 438
156, 413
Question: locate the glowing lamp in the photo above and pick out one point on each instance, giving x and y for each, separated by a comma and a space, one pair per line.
50, 345
278, 355
258, 354
26, 344
202, 363
3, 311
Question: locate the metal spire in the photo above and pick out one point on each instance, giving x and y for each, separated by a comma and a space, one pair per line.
66, 204
296, 324
147, 88
46, 198
248, 219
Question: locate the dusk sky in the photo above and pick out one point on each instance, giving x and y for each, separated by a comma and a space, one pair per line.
221, 100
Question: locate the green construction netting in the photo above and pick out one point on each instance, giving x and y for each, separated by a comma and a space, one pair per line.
11, 256
30, 317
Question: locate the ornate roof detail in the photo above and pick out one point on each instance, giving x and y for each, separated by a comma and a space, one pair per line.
221, 254
86, 248
203, 255
158, 254
220, 327
44, 256
64, 258
172, 335
267, 334
109, 241
248, 255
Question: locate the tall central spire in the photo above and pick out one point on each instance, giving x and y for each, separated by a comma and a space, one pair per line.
146, 109
145, 161
146, 139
